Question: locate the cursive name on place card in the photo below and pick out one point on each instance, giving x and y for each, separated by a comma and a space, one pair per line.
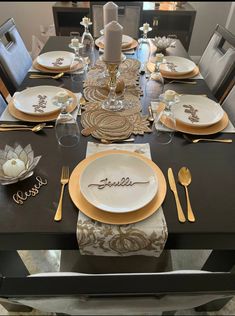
124, 182
19, 197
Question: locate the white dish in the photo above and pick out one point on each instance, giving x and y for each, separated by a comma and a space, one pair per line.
56, 59
200, 111
39, 100
177, 65
122, 198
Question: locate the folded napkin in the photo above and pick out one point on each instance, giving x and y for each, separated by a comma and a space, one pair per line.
6, 116
229, 129
147, 237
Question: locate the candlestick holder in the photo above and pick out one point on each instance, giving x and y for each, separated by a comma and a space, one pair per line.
112, 103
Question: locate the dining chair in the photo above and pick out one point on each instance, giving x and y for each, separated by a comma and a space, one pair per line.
117, 294
15, 60
129, 16
217, 64
3, 104
229, 105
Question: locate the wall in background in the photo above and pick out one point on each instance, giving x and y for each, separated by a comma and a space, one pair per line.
208, 15
30, 15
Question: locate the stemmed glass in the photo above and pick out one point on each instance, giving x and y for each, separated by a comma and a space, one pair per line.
145, 29
78, 64
87, 39
66, 127
155, 84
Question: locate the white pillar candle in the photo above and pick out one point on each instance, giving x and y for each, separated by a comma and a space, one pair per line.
75, 42
62, 96
169, 95
113, 42
145, 27
110, 12
159, 58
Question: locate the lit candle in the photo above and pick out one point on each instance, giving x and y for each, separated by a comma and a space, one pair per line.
110, 12
75, 42
13, 167
145, 27
159, 58
113, 42
169, 95
62, 96
85, 20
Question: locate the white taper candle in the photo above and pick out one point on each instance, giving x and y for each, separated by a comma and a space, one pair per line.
110, 12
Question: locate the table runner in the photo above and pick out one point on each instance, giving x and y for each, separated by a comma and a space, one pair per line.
146, 238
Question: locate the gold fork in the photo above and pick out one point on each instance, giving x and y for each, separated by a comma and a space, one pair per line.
63, 180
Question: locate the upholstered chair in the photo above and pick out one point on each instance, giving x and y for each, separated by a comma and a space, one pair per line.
3, 104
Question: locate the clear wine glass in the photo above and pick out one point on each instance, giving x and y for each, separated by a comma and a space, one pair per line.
78, 64
87, 39
165, 125
66, 127
155, 85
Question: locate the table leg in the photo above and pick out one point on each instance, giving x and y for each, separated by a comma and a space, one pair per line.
218, 261
12, 265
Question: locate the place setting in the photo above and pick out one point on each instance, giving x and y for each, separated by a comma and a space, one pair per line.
104, 197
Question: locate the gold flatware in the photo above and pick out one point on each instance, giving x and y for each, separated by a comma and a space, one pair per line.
35, 129
63, 180
185, 179
21, 126
172, 184
181, 81
37, 76
82, 101
106, 141
150, 117
207, 140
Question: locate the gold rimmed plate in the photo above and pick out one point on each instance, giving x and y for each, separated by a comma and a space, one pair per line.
47, 70
195, 72
40, 118
115, 218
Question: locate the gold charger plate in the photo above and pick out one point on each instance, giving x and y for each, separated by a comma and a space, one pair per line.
208, 130
195, 72
43, 118
113, 218
133, 44
37, 66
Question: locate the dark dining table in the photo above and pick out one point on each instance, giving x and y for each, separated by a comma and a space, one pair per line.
31, 226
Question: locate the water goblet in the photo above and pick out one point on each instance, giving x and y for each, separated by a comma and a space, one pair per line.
87, 39
66, 127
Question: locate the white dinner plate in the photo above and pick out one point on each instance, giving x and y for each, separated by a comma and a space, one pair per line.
196, 110
98, 179
56, 59
125, 39
39, 100
177, 65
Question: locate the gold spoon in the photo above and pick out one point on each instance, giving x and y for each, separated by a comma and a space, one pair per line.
35, 129
185, 179
35, 76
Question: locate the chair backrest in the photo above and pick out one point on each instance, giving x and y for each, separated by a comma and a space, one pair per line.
229, 105
15, 60
217, 64
3, 104
129, 16
118, 294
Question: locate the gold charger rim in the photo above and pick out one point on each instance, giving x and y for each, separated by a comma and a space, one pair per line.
112, 218
189, 75
207, 130
40, 118
37, 66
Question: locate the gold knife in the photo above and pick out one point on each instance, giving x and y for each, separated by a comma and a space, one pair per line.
172, 183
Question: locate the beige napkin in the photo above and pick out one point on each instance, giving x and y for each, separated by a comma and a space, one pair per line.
6, 116
229, 129
147, 237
